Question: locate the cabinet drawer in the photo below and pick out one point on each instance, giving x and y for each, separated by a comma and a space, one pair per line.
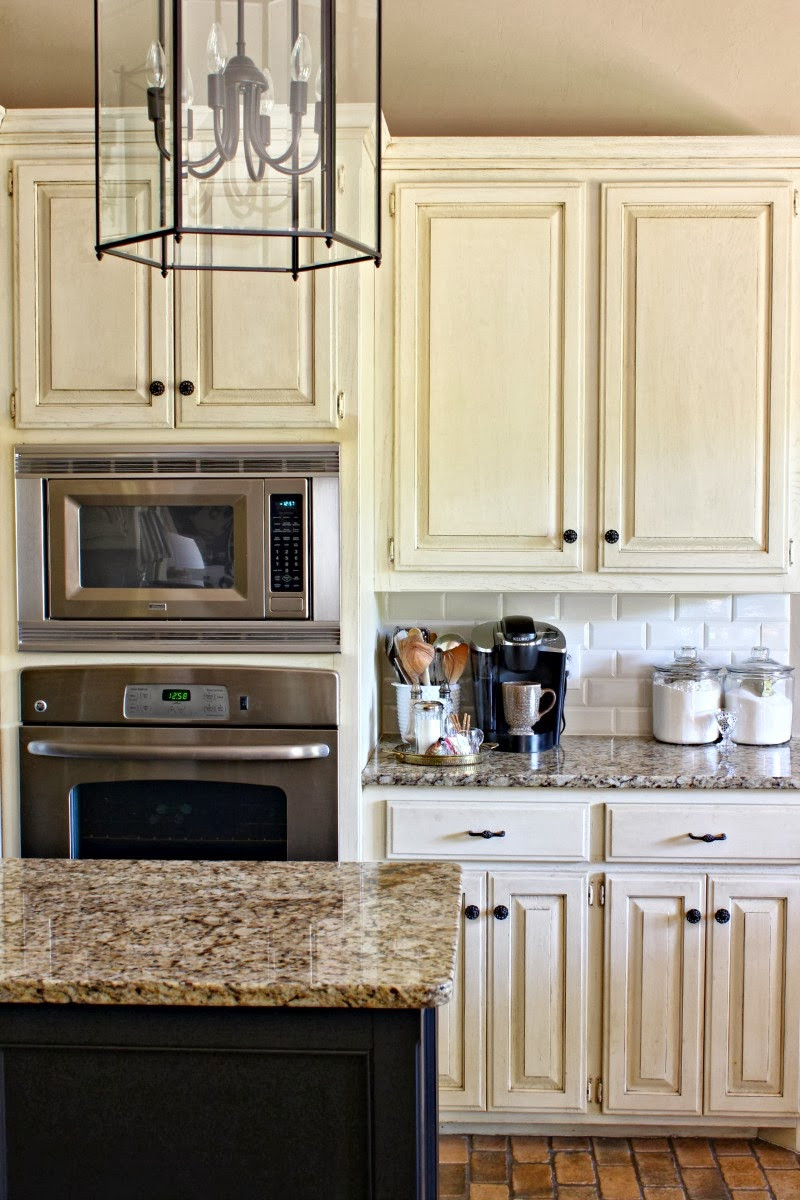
636, 832
448, 830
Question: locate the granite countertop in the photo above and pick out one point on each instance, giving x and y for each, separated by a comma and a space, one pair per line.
602, 762
330, 935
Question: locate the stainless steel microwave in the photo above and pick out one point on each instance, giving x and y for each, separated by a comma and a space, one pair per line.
190, 547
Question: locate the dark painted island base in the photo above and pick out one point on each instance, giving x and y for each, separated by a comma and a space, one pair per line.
170, 1103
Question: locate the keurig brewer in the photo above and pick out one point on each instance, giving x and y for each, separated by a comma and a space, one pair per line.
519, 650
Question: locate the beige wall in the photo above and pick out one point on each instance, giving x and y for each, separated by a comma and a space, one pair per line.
510, 67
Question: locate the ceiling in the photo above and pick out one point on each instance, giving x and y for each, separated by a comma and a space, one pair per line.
511, 67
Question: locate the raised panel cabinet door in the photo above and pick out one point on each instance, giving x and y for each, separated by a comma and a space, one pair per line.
653, 1024
462, 1022
694, 426
489, 346
538, 992
258, 347
753, 1001
91, 336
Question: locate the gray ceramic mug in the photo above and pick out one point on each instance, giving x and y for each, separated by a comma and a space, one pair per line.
522, 706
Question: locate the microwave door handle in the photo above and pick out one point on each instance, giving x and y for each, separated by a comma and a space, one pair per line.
287, 753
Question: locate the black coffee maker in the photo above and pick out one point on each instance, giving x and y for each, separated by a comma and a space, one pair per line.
518, 650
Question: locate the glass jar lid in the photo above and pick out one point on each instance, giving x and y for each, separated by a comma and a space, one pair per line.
759, 664
688, 665
429, 706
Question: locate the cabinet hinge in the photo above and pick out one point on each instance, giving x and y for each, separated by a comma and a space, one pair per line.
12, 405
795, 202
341, 178
589, 1083
598, 1090
791, 552
11, 182
601, 895
391, 550
391, 204
590, 898
340, 405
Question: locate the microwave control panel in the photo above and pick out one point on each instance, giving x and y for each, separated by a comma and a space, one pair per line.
175, 702
287, 523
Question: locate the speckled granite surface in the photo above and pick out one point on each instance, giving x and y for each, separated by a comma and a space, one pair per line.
332, 935
600, 762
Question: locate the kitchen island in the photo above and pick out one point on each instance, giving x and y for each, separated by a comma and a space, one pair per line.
183, 1031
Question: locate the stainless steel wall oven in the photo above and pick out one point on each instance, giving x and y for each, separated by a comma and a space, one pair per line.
179, 762
192, 547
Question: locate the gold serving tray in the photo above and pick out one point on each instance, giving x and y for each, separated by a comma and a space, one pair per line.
444, 760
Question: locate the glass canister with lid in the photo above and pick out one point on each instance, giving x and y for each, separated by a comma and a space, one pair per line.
760, 691
686, 695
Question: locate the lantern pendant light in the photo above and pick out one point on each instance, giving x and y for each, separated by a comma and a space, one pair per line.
251, 175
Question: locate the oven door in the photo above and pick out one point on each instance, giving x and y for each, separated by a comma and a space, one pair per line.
190, 793
153, 549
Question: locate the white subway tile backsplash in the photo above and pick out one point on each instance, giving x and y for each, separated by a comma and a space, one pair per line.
704, 608
613, 642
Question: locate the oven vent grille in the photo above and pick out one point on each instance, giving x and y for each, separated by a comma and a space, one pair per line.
153, 461
323, 638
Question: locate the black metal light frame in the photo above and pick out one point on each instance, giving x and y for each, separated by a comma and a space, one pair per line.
122, 247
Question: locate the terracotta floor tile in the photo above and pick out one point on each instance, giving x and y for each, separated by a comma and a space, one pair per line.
573, 1167
530, 1149
785, 1184
775, 1156
742, 1171
532, 1179
482, 1141
664, 1193
618, 1183
613, 1151
649, 1144
489, 1191
576, 1193
571, 1143
452, 1180
452, 1148
657, 1170
737, 1195
488, 1166
724, 1146
704, 1183
692, 1152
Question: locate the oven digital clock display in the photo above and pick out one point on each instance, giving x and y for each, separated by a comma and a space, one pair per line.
173, 695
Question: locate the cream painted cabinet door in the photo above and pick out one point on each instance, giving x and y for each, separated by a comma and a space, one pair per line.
538, 992
695, 376
91, 336
753, 1006
489, 345
654, 994
462, 1022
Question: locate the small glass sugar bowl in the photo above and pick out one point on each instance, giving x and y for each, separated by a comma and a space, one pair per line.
760, 691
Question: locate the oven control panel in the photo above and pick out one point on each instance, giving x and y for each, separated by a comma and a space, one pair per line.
175, 702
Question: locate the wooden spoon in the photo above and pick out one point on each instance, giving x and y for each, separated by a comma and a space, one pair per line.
454, 661
415, 655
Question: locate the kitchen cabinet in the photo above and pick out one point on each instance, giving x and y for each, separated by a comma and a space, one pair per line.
113, 344
592, 365
659, 989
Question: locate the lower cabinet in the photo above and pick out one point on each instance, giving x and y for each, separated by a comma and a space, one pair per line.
513, 1036
702, 995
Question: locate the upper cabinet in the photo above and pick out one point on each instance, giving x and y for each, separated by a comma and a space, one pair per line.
695, 381
591, 364
489, 376
113, 344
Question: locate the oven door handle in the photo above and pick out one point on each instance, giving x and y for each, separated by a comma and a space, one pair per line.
177, 753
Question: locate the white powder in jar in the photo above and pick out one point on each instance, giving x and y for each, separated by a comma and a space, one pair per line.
683, 710
763, 719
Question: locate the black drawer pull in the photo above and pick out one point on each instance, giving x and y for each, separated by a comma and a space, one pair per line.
708, 837
722, 916
694, 916
501, 912
486, 833
472, 912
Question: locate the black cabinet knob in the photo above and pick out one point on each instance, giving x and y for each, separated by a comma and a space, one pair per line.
501, 912
570, 536
694, 916
722, 916
186, 387
472, 912
157, 388
611, 536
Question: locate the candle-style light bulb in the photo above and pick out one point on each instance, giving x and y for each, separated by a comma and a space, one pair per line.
216, 50
301, 59
266, 101
156, 66
187, 88
318, 85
